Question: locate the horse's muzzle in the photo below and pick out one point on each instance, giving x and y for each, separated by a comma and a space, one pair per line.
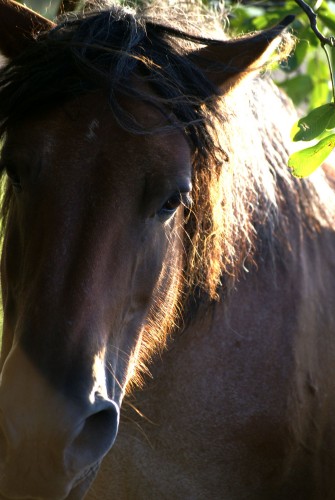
50, 446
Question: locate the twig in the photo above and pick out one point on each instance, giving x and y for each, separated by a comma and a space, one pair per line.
331, 72
312, 18
324, 40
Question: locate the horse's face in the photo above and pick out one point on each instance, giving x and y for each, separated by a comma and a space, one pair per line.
92, 239
92, 258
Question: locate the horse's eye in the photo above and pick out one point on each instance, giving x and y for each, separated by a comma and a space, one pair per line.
14, 178
171, 205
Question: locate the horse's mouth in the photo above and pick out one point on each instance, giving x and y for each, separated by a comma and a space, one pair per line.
83, 482
80, 485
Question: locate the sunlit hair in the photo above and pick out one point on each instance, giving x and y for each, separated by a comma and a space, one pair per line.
245, 202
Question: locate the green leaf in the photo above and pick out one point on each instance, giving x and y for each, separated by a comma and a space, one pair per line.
263, 22
297, 88
244, 18
331, 123
307, 34
327, 17
318, 67
318, 70
314, 123
321, 93
241, 20
304, 162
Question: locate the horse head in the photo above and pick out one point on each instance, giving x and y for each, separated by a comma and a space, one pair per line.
94, 252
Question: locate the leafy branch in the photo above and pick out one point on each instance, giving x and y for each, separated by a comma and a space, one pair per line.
313, 21
319, 120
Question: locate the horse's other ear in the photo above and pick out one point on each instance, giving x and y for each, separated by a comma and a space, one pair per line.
18, 26
226, 62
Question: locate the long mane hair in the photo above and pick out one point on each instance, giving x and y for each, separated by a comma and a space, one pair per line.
245, 200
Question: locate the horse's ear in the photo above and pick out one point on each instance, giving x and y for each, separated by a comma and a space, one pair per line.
226, 62
18, 26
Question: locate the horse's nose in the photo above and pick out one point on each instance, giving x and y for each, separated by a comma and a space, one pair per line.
95, 436
48, 444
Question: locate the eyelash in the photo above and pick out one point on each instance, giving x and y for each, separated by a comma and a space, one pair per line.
14, 179
172, 203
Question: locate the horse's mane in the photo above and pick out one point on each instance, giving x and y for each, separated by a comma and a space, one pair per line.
243, 193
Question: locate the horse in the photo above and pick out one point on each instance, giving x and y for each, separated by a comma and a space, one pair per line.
159, 256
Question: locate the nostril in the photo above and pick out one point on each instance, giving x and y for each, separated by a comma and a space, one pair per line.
96, 436
100, 430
